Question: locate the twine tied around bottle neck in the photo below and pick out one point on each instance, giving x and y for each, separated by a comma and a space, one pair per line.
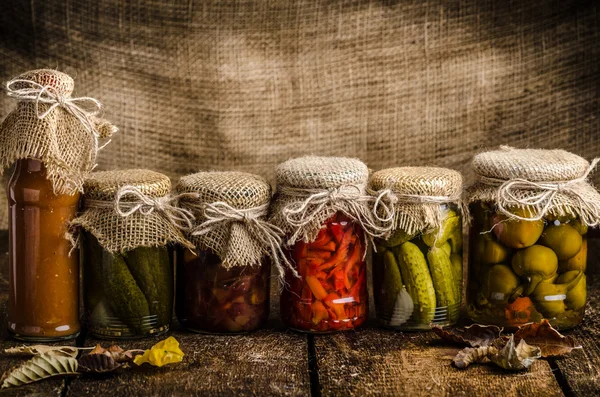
541, 195
82, 108
348, 199
220, 214
181, 218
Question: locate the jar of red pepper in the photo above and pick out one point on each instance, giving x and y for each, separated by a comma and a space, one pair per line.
223, 284
321, 205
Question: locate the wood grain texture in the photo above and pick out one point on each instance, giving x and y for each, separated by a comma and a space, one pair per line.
381, 362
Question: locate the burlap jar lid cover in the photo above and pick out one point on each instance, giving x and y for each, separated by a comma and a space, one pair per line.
312, 189
230, 209
418, 194
126, 209
50, 125
545, 182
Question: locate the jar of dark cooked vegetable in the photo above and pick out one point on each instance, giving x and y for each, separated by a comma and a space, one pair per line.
223, 282
417, 269
127, 231
528, 247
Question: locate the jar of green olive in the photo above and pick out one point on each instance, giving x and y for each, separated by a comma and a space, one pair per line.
528, 247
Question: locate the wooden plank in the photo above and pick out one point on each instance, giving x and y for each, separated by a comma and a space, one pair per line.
381, 362
580, 371
46, 387
268, 362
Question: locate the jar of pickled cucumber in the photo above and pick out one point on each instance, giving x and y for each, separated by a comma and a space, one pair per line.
528, 248
323, 207
128, 229
418, 267
223, 282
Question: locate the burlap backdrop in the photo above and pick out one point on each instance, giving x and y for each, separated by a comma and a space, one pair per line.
221, 84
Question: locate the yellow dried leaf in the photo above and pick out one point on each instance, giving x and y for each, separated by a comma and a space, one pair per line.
164, 352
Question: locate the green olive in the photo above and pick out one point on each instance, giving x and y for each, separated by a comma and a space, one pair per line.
535, 263
516, 233
499, 283
577, 296
578, 262
563, 239
494, 252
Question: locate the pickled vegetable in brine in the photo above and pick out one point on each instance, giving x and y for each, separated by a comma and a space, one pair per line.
524, 271
331, 293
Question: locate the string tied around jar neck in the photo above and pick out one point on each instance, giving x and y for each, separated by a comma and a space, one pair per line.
84, 109
181, 218
221, 214
358, 206
541, 195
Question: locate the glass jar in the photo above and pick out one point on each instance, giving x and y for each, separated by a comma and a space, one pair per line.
331, 293
524, 271
214, 299
417, 279
43, 303
128, 295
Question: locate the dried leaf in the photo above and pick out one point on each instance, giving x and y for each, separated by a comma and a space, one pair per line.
40, 367
548, 339
65, 351
471, 355
163, 353
517, 358
475, 335
98, 363
116, 353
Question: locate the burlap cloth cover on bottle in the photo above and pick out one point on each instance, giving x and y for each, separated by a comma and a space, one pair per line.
545, 182
312, 189
230, 210
126, 209
417, 194
50, 125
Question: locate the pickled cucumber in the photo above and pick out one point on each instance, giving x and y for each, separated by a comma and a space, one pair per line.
397, 237
456, 239
439, 237
392, 284
415, 274
152, 271
123, 296
442, 275
447, 248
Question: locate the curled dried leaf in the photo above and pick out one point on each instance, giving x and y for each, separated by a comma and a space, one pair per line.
547, 338
40, 367
116, 353
470, 355
65, 351
98, 363
474, 335
517, 358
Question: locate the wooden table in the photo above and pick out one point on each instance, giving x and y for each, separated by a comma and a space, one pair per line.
369, 361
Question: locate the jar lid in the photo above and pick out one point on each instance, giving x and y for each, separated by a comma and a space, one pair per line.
421, 181
536, 165
61, 82
238, 189
103, 185
322, 172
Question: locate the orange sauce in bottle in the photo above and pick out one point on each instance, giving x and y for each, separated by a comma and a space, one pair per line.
44, 279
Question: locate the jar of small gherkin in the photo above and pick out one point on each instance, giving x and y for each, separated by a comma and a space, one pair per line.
127, 230
528, 247
418, 268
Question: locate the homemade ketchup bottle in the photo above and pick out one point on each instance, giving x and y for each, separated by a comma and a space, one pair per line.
43, 278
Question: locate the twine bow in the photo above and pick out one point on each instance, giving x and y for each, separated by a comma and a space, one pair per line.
82, 108
220, 214
350, 200
179, 217
542, 197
